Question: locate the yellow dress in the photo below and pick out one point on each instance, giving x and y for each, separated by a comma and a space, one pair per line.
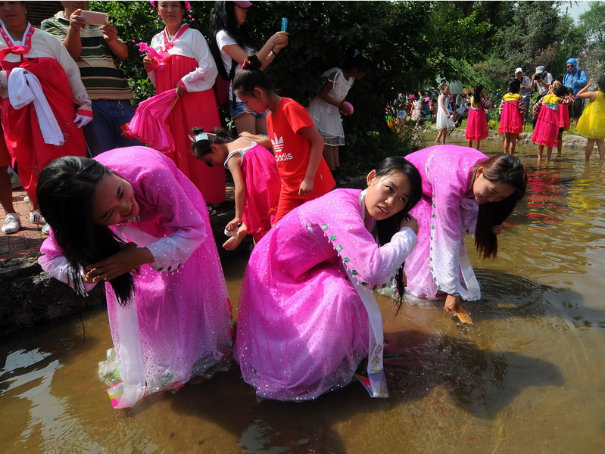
592, 121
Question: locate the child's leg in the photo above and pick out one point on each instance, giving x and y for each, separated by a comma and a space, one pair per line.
233, 242
559, 143
589, 147
601, 148
329, 155
548, 153
470, 144
513, 143
506, 142
540, 150
478, 143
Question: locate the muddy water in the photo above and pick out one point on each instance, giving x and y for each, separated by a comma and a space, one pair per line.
527, 377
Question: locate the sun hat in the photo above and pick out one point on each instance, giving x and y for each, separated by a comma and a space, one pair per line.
540, 69
518, 70
244, 5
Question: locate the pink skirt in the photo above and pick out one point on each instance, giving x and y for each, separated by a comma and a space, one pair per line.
262, 191
511, 120
564, 116
476, 125
195, 109
546, 131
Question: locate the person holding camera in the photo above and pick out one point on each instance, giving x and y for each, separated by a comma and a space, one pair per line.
541, 81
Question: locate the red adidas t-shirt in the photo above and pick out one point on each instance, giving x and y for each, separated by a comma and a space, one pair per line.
292, 151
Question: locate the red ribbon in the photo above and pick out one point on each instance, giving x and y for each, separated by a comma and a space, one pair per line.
11, 48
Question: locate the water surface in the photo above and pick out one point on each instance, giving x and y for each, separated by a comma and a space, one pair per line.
527, 377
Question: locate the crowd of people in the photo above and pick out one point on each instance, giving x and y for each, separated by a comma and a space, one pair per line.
137, 220
563, 97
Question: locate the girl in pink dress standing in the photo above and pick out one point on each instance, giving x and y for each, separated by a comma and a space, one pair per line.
476, 125
131, 220
546, 110
255, 177
512, 113
189, 67
307, 314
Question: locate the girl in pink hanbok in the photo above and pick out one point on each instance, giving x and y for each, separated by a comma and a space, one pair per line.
546, 112
307, 315
512, 114
476, 125
186, 64
256, 180
131, 219
566, 100
462, 191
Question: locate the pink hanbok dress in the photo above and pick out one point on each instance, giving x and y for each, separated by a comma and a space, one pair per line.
44, 57
187, 60
307, 314
263, 185
476, 125
546, 131
512, 113
178, 324
447, 209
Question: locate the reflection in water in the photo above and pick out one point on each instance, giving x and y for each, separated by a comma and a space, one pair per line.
523, 378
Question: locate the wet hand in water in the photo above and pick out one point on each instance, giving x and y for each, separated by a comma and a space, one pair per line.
129, 258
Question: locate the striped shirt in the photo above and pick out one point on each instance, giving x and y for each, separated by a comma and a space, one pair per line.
98, 65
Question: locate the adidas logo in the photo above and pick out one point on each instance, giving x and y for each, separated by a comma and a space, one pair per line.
278, 144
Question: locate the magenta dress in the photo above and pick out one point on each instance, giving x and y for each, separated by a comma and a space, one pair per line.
447, 209
178, 324
512, 113
263, 185
307, 315
476, 125
188, 61
546, 131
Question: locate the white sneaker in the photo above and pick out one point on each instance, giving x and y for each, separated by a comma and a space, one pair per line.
11, 224
35, 217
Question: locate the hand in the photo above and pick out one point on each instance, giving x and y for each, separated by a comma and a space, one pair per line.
497, 229
279, 40
590, 82
452, 303
83, 116
129, 258
306, 186
180, 91
76, 21
412, 223
109, 32
246, 134
233, 225
149, 63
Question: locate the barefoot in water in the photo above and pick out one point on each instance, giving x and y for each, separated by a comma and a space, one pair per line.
233, 242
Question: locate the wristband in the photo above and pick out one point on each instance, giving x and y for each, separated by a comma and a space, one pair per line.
273, 50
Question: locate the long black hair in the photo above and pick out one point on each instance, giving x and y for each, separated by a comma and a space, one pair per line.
66, 192
223, 18
386, 228
477, 95
506, 169
514, 86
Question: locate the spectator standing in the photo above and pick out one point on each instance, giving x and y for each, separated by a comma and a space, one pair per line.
96, 50
541, 81
525, 90
575, 79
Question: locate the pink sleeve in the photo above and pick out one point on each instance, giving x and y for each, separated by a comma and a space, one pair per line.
371, 264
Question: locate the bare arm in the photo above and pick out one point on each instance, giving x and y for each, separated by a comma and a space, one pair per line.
119, 49
317, 147
234, 165
73, 42
584, 94
261, 140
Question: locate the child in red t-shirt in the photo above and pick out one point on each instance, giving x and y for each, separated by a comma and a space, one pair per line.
297, 144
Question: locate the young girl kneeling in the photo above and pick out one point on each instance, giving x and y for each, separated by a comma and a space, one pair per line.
131, 219
307, 311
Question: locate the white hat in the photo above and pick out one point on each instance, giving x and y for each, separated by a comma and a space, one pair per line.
540, 69
518, 70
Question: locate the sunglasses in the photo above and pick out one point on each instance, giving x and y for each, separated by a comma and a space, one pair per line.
570, 66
